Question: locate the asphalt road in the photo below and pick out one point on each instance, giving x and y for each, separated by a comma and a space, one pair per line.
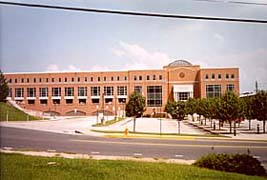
155, 148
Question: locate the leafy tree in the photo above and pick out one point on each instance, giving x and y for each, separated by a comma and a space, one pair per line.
259, 105
229, 108
3, 88
180, 110
136, 105
248, 112
171, 108
191, 105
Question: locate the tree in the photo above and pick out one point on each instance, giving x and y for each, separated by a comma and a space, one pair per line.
259, 105
171, 109
3, 88
136, 105
191, 105
248, 112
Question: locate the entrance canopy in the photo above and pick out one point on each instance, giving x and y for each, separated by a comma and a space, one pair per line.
183, 92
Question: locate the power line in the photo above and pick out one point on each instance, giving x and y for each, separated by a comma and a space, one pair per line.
133, 13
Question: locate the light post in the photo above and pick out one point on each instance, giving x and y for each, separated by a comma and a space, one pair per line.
123, 108
160, 125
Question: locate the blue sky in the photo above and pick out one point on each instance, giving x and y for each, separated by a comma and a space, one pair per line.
55, 40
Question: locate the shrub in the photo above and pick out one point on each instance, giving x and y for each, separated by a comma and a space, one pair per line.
238, 163
147, 115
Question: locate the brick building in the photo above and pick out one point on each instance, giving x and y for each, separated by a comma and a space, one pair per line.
87, 93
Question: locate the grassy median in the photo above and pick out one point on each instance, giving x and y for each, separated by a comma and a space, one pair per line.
14, 166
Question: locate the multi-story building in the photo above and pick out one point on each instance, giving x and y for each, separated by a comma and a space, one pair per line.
87, 93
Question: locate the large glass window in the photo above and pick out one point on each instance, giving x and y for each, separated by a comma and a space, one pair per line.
183, 96
230, 87
69, 91
108, 91
82, 91
43, 92
19, 92
31, 92
213, 91
56, 91
95, 91
122, 90
138, 89
154, 96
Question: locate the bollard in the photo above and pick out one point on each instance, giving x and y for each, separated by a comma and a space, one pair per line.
258, 129
126, 131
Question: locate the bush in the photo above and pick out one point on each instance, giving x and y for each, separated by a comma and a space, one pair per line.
238, 163
147, 115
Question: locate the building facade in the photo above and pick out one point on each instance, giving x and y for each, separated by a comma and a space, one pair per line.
88, 93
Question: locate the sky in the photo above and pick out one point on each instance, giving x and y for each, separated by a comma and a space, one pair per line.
43, 40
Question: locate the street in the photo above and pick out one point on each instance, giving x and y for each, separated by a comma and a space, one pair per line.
188, 149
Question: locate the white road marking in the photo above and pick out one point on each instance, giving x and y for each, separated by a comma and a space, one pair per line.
137, 154
51, 150
7, 148
95, 152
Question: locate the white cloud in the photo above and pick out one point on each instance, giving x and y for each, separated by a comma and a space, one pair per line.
99, 68
72, 68
52, 68
140, 58
218, 37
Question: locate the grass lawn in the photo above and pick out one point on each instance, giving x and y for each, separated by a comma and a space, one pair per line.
107, 123
14, 114
14, 166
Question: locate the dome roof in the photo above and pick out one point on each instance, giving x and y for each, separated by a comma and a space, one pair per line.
179, 63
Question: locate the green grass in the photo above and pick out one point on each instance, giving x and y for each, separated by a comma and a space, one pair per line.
14, 114
15, 166
107, 123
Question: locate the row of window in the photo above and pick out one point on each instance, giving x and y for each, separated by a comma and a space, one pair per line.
219, 76
69, 91
216, 90
86, 79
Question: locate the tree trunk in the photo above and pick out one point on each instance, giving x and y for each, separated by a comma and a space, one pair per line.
205, 121
230, 127
249, 124
263, 126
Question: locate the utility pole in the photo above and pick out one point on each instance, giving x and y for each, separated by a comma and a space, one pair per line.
256, 86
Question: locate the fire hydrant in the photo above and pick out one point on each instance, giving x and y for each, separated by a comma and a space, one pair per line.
126, 131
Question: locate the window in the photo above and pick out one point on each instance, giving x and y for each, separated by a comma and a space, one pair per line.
69, 91
53, 79
78, 79
56, 91
59, 79
230, 87
98, 79
213, 91
19, 92
9, 92
95, 101
43, 92
82, 91
66, 79
160, 77
112, 78
213, 76
108, 100
69, 101
138, 89
122, 100
56, 101
31, 92
72, 79
183, 96
43, 101
92, 79
227, 76
105, 78
135, 78
125, 78
40, 79
28, 80
82, 101
22, 80
206, 76
46, 79
147, 77
118, 78
16, 80
31, 101
122, 90
154, 96
140, 78
154, 77
219, 76
232, 76
85, 79
34, 80
108, 91
10, 80
95, 91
